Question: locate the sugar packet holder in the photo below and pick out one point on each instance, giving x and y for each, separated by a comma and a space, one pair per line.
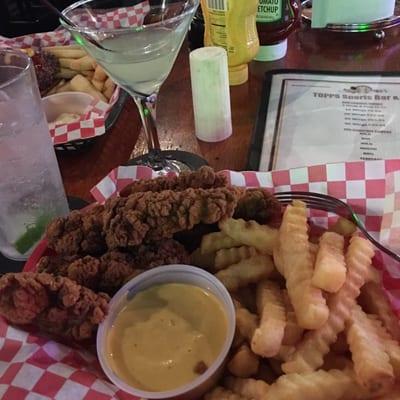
372, 188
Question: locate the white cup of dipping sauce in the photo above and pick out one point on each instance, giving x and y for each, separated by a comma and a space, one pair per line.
172, 274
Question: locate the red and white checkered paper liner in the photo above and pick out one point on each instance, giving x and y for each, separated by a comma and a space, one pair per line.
122, 17
372, 188
33, 367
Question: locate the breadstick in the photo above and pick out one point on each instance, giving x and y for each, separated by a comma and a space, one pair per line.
108, 91
308, 302
80, 84
267, 338
66, 51
54, 89
310, 352
99, 85
66, 73
65, 88
99, 74
82, 64
371, 363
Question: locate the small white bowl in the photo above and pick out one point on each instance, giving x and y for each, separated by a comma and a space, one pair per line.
158, 276
67, 102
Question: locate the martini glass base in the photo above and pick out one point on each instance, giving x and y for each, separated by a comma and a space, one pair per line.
165, 161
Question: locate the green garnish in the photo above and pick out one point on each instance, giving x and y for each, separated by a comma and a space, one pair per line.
32, 234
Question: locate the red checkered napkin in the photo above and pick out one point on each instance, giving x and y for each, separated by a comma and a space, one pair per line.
372, 188
122, 17
60, 37
36, 368
89, 125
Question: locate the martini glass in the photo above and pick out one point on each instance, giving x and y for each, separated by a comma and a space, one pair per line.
137, 43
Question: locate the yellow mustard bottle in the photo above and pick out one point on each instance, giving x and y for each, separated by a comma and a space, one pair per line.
232, 24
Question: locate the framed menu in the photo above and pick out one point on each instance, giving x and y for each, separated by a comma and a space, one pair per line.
313, 117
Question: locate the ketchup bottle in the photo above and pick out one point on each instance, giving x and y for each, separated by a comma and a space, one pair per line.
276, 19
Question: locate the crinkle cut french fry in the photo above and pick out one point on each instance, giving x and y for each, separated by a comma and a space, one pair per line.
319, 385
244, 363
374, 301
226, 257
267, 338
371, 363
285, 352
220, 393
214, 241
247, 271
246, 322
249, 388
293, 332
247, 297
250, 233
394, 394
341, 346
266, 373
374, 276
308, 302
336, 361
202, 260
310, 352
392, 347
330, 268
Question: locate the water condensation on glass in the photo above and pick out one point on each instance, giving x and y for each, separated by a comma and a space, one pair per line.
30, 181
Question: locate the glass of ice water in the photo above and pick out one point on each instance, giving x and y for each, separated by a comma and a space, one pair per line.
31, 189
136, 42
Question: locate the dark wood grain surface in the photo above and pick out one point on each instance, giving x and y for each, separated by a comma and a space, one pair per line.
308, 49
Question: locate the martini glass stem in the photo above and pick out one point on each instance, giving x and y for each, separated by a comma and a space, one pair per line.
148, 120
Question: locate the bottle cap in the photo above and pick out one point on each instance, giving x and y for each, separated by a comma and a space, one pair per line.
272, 52
238, 75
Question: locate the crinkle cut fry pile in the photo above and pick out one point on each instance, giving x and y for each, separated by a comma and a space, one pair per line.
101, 248
303, 331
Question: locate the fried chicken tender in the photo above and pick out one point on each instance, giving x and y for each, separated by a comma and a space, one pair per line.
56, 305
259, 205
110, 271
203, 178
148, 216
81, 232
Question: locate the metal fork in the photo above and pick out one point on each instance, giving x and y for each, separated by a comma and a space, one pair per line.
331, 204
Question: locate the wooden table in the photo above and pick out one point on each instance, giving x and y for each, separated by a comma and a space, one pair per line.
308, 49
